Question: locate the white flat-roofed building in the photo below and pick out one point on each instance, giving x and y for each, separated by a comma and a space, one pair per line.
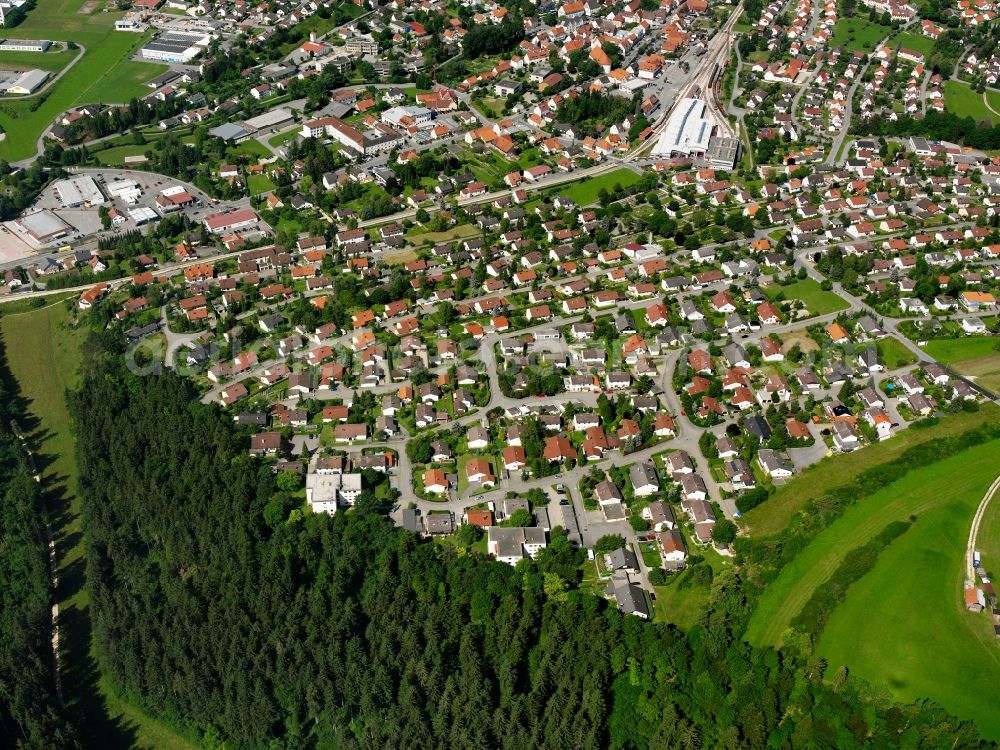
142, 215
28, 82
688, 130
176, 46
79, 191
24, 45
512, 544
322, 491
124, 190
401, 117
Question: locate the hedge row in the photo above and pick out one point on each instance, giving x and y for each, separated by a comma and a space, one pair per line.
772, 553
855, 565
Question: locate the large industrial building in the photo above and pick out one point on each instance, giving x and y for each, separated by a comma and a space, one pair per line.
24, 45
43, 227
79, 191
688, 130
176, 46
723, 152
28, 82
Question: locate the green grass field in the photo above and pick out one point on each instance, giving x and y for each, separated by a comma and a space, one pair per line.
960, 99
104, 72
259, 183
993, 101
953, 485
586, 191
44, 355
281, 138
988, 541
894, 354
250, 148
904, 624
976, 357
114, 157
912, 40
51, 61
125, 81
815, 299
774, 514
950, 351
857, 34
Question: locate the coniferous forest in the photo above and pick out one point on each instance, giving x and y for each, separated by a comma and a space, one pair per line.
30, 716
223, 607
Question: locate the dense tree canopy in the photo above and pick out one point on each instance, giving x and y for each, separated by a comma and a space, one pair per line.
278, 628
29, 714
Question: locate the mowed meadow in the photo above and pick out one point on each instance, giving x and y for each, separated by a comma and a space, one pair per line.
903, 625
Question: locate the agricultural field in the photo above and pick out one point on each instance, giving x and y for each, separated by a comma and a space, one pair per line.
43, 351
913, 598
962, 100
104, 73
586, 191
857, 33
817, 301
774, 514
976, 357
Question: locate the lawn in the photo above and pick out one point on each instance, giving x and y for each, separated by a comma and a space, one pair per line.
116, 156
125, 81
51, 61
951, 351
774, 514
461, 231
44, 354
259, 183
105, 60
920, 492
856, 33
993, 101
680, 604
586, 191
817, 301
250, 148
976, 357
682, 601
894, 353
399, 258
281, 138
915, 42
960, 99
913, 598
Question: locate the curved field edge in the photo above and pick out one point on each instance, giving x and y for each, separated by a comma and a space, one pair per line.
904, 625
921, 491
775, 513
